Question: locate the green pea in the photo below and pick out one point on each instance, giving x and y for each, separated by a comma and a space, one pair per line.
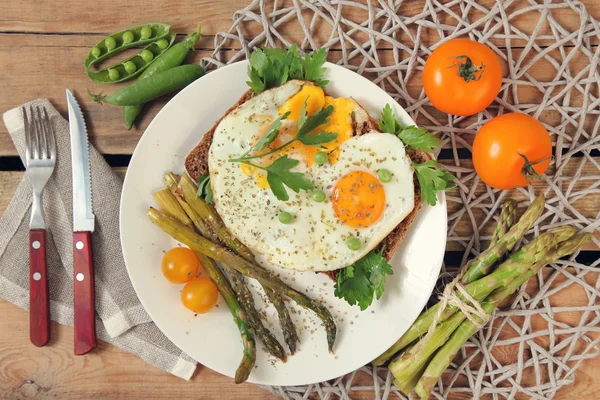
113, 74
162, 44
285, 217
130, 67
110, 43
147, 55
384, 175
321, 158
353, 243
96, 52
127, 37
146, 32
318, 196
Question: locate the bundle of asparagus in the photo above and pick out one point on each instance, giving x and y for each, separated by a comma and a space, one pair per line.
190, 220
446, 327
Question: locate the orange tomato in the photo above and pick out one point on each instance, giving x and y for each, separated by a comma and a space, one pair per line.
499, 148
200, 295
180, 265
462, 77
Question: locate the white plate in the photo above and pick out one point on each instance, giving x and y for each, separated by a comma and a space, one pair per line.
213, 338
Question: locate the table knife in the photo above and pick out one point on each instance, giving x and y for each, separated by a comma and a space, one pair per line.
83, 226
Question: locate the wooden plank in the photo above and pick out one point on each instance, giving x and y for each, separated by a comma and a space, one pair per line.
110, 373
22, 55
587, 206
52, 372
216, 16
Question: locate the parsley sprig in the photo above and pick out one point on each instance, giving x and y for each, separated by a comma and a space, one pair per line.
431, 175
278, 173
432, 178
273, 67
413, 137
204, 189
359, 282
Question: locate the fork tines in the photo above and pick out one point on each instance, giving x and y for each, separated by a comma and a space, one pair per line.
39, 134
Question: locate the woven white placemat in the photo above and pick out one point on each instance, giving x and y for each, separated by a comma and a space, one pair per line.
551, 47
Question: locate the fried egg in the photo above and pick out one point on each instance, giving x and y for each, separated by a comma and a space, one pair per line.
357, 204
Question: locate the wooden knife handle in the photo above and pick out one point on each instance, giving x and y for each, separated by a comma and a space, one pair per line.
83, 293
39, 302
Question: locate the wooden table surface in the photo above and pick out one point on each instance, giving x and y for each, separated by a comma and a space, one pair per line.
42, 47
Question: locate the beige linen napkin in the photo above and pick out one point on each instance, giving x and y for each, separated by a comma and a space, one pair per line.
121, 319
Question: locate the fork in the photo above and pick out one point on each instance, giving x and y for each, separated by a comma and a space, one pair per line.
40, 158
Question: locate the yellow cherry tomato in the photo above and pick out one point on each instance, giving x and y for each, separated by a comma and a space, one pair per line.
180, 265
200, 295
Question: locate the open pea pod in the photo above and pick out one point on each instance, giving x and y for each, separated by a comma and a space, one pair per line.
132, 37
134, 65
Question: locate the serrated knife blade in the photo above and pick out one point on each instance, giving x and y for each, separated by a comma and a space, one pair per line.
83, 216
84, 310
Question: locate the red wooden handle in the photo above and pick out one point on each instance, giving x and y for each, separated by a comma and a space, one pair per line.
83, 293
39, 303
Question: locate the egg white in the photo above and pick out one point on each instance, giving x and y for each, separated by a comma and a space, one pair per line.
315, 240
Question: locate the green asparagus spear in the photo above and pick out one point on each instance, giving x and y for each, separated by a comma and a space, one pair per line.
407, 365
482, 264
245, 297
516, 264
285, 319
197, 243
168, 203
404, 366
171, 181
508, 216
239, 317
220, 234
505, 222
446, 353
520, 261
237, 280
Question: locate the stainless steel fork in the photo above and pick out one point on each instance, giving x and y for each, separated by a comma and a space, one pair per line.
40, 159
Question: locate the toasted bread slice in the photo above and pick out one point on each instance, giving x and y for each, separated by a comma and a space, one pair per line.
196, 164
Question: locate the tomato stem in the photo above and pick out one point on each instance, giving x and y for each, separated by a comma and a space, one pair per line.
466, 69
528, 171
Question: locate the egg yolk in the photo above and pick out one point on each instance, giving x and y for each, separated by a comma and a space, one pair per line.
340, 121
314, 97
358, 199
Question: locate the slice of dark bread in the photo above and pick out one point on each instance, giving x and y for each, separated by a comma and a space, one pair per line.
196, 164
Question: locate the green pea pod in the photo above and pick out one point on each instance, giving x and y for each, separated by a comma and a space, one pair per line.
169, 59
132, 37
138, 63
145, 90
130, 113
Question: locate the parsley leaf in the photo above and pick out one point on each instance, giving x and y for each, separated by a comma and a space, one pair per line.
270, 134
387, 122
278, 175
358, 283
272, 67
432, 177
412, 137
318, 138
419, 139
311, 123
313, 67
294, 62
204, 189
